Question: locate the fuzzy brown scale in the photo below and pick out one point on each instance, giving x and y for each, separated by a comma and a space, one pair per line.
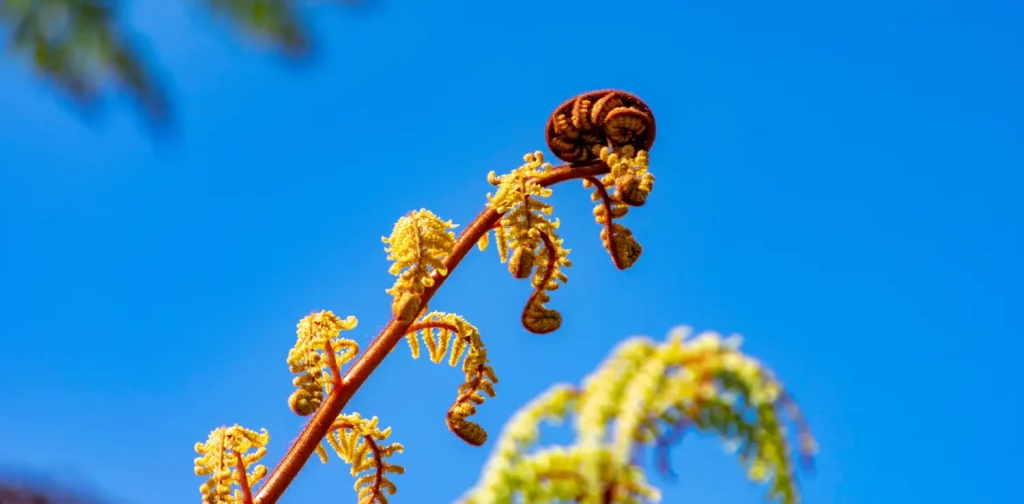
580, 127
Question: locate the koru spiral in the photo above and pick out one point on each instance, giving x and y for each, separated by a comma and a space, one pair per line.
580, 127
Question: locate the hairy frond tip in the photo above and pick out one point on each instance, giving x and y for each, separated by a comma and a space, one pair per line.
318, 334
444, 331
632, 182
419, 245
225, 459
629, 174
646, 394
359, 442
528, 231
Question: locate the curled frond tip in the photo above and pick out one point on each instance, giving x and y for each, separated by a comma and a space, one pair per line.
360, 443
447, 334
527, 230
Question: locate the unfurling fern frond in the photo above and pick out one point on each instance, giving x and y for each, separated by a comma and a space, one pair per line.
527, 230
632, 183
318, 336
442, 332
358, 442
225, 459
604, 137
418, 245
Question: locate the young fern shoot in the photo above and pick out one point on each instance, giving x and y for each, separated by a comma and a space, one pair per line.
444, 331
604, 138
527, 230
225, 460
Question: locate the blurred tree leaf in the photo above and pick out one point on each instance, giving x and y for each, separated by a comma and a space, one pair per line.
84, 48
275, 21
81, 47
18, 491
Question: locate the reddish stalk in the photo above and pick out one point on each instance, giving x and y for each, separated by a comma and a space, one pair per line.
419, 326
606, 202
541, 287
320, 424
449, 419
378, 460
243, 479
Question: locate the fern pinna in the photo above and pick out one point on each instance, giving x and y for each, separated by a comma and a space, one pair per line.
646, 394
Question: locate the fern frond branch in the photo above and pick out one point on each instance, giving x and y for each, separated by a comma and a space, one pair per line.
320, 424
419, 326
606, 202
549, 247
540, 287
378, 458
472, 387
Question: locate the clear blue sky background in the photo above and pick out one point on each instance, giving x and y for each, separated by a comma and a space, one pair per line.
839, 182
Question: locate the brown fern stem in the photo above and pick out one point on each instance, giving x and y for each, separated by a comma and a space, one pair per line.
243, 479
540, 288
320, 424
606, 202
472, 387
419, 326
450, 420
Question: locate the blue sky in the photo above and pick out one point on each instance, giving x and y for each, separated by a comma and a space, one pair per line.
839, 182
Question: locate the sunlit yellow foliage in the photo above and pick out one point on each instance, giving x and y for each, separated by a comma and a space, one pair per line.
644, 391
418, 245
358, 442
225, 449
315, 332
527, 230
444, 331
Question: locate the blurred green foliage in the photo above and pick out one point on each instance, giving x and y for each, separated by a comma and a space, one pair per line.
86, 48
